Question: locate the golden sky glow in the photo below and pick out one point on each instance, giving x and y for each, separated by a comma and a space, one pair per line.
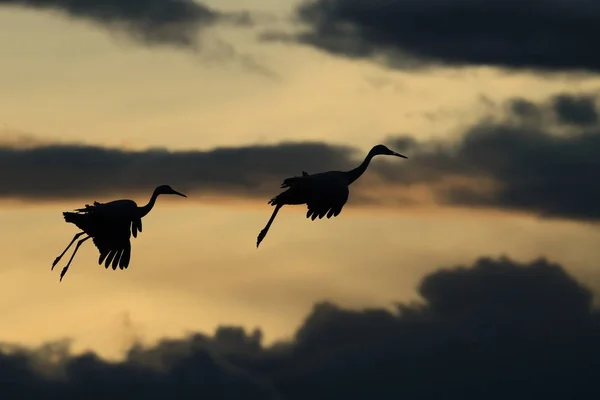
195, 266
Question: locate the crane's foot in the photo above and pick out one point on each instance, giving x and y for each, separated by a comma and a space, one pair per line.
260, 238
63, 272
54, 263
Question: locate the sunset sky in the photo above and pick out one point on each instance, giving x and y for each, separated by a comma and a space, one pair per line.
225, 99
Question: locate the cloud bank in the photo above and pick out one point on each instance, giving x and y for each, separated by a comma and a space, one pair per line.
551, 35
542, 158
496, 329
151, 22
63, 171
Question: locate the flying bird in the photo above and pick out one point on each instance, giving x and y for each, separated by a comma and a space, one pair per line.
324, 193
110, 225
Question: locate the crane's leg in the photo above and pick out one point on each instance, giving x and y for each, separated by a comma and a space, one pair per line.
263, 233
64, 271
63, 253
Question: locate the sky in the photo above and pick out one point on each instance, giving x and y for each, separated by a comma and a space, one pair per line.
496, 107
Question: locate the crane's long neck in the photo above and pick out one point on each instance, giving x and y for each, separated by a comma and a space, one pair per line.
144, 210
355, 173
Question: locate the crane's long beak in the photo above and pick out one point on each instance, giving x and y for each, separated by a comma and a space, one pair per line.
399, 155
179, 194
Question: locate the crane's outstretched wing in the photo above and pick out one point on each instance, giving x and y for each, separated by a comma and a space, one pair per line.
136, 226
113, 253
327, 197
113, 244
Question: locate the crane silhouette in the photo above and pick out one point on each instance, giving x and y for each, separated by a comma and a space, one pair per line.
324, 193
110, 225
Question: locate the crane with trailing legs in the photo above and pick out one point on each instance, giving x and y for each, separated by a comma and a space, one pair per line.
110, 225
324, 193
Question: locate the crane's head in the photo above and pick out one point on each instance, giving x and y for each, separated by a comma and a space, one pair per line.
166, 189
383, 150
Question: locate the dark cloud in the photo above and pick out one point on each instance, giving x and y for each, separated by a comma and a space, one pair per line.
524, 109
580, 110
172, 369
497, 329
62, 171
164, 22
567, 109
542, 158
531, 167
548, 35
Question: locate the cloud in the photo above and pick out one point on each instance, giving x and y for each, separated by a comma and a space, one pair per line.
188, 368
151, 22
579, 110
540, 158
525, 162
527, 34
495, 329
58, 171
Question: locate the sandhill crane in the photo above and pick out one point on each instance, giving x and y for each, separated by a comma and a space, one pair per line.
110, 225
324, 193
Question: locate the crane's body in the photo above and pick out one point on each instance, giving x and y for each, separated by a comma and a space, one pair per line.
324, 193
110, 225
113, 212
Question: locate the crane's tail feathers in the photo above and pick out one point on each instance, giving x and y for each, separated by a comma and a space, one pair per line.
82, 221
277, 200
289, 182
282, 199
72, 217
88, 208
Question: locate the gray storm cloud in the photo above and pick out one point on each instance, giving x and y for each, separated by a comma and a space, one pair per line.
495, 329
551, 35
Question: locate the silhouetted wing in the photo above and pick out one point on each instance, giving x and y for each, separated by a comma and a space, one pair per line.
112, 254
114, 245
327, 197
136, 226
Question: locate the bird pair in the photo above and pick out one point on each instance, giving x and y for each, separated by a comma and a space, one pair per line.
110, 225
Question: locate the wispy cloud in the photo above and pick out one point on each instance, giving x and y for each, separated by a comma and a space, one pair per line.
151, 22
